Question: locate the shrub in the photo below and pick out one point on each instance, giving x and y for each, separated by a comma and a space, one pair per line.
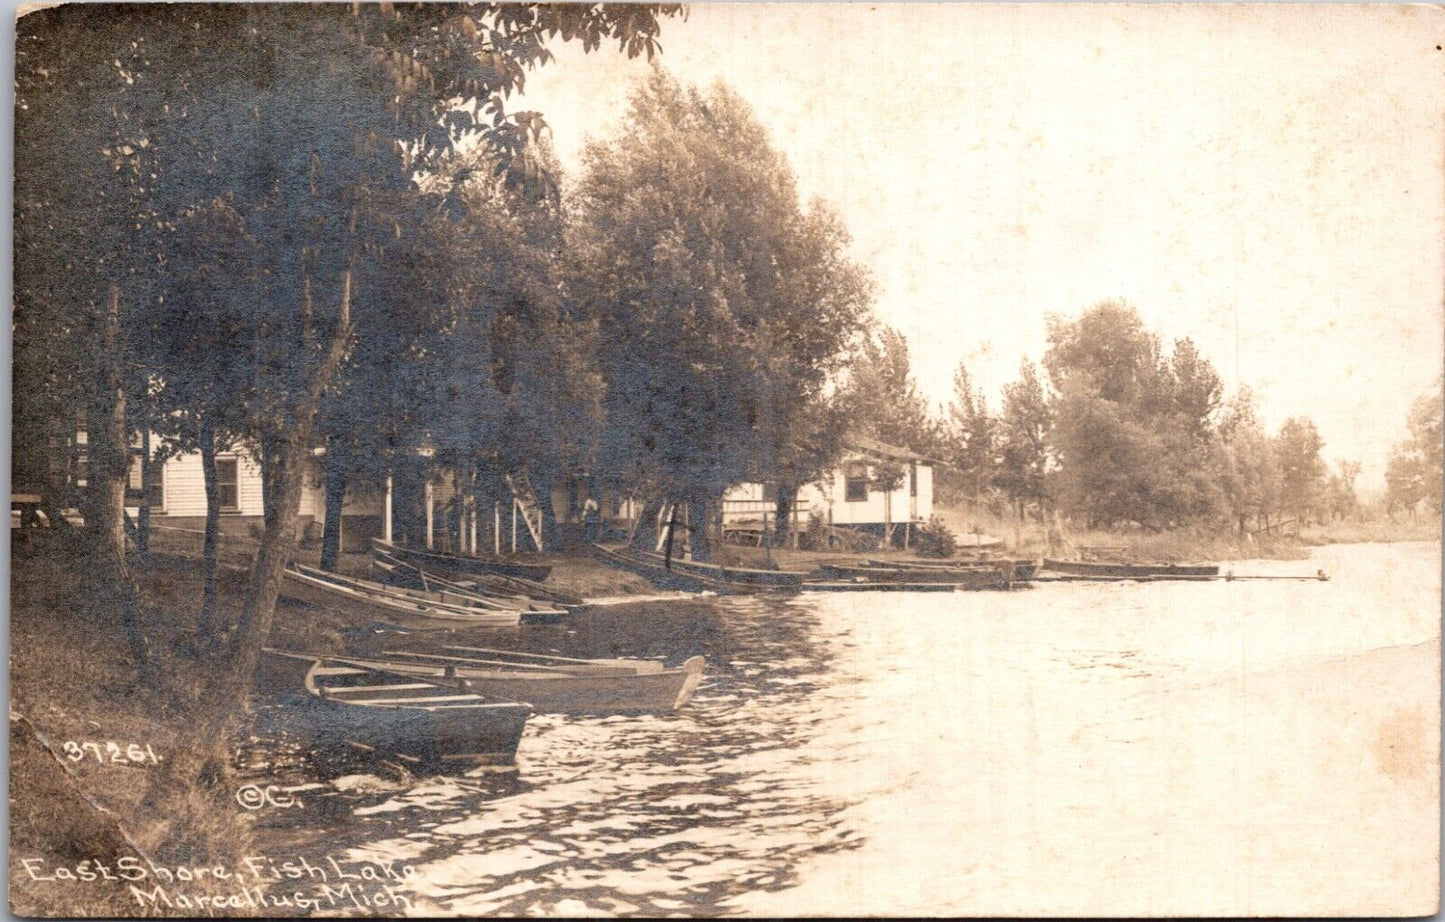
934, 539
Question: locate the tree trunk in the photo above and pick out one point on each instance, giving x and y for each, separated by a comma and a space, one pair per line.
143, 514
783, 512
210, 546
109, 450
671, 536
643, 536
703, 509
335, 502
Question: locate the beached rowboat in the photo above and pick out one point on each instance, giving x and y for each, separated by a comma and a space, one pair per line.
374, 601
1023, 568
693, 576
399, 574
1127, 570
962, 578
552, 684
462, 566
424, 723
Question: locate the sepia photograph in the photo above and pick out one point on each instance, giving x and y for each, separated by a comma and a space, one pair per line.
729, 459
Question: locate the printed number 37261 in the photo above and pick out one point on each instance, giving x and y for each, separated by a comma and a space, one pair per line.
111, 752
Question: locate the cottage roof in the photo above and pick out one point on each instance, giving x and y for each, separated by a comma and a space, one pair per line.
871, 446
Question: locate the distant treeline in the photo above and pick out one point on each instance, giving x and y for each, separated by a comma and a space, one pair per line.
1118, 431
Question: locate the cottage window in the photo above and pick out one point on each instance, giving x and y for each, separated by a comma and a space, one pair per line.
855, 475
227, 487
913, 478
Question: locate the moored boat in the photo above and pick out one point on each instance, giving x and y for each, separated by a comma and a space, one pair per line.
374, 601
663, 576
461, 566
763, 579
1023, 567
1128, 570
422, 722
962, 578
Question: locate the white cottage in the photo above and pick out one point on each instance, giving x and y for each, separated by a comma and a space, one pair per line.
853, 495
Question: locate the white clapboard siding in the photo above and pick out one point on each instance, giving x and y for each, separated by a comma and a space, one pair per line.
745, 500
185, 485
876, 508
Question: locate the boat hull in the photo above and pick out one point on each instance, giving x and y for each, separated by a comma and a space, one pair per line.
657, 692
764, 579
1127, 570
986, 578
688, 576
460, 566
1023, 568
594, 690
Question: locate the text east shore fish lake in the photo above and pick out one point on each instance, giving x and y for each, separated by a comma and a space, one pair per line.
334, 882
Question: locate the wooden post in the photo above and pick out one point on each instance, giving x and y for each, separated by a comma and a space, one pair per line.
472, 518
430, 522
768, 539
386, 514
514, 525
497, 529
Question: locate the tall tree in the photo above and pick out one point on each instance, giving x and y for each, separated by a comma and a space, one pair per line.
1301, 469
881, 397
721, 305
974, 438
1415, 466
1023, 442
1248, 471
1134, 427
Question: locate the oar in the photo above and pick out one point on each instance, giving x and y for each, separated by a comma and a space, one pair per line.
465, 659
587, 669
560, 659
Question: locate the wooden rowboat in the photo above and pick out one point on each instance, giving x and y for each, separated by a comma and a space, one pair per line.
399, 574
1023, 567
692, 576
416, 610
462, 566
1127, 570
661, 576
765, 579
424, 723
961, 578
551, 684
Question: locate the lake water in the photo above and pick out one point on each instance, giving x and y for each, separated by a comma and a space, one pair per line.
1111, 748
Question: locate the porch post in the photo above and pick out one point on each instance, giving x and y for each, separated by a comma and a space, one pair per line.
472, 515
497, 529
386, 513
430, 515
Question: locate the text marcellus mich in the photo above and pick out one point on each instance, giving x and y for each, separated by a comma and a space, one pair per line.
257, 883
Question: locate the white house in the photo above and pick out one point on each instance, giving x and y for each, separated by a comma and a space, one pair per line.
178, 490
852, 495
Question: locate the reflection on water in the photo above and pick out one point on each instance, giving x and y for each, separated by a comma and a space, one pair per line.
907, 745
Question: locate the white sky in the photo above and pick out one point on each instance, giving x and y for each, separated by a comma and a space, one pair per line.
1280, 165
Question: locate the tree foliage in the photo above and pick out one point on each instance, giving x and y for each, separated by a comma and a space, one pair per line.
723, 308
